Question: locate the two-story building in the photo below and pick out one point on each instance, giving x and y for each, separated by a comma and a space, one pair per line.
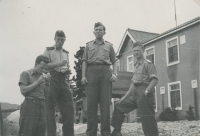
175, 54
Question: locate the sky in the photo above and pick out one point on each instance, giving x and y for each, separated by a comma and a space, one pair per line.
27, 27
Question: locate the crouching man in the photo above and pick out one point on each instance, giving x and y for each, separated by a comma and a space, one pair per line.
140, 95
33, 84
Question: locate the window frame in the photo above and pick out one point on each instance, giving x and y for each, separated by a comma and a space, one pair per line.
118, 61
169, 96
152, 47
128, 70
167, 52
156, 100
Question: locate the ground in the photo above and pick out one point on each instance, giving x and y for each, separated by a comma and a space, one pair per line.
178, 128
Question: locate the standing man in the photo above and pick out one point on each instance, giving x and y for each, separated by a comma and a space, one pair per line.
97, 77
32, 86
140, 95
59, 89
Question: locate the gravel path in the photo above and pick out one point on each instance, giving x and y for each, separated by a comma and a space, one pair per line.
179, 128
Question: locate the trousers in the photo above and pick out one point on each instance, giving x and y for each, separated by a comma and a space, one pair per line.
32, 120
98, 91
145, 106
60, 95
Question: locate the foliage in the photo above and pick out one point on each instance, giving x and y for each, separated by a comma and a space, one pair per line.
190, 114
78, 88
169, 114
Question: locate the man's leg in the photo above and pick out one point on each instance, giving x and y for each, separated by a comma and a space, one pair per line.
65, 101
29, 116
51, 101
146, 105
120, 109
105, 99
91, 90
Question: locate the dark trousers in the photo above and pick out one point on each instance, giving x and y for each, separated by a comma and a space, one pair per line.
145, 105
60, 94
98, 91
32, 118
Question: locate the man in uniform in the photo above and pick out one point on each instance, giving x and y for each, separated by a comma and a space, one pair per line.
59, 89
140, 95
97, 77
33, 86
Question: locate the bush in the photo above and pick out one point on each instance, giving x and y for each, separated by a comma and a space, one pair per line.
190, 114
169, 114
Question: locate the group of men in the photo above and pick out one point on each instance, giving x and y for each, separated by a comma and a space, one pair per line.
44, 91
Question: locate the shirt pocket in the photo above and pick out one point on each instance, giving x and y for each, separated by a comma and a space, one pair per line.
91, 52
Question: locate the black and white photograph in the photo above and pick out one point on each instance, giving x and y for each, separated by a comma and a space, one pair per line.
100, 68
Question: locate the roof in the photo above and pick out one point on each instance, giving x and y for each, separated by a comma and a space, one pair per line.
182, 26
141, 36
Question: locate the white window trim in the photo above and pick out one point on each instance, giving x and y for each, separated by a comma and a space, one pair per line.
118, 63
167, 55
156, 109
169, 96
153, 52
128, 63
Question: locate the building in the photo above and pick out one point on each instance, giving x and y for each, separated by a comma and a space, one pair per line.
175, 54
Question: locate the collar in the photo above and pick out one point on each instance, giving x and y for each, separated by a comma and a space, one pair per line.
56, 49
97, 43
140, 62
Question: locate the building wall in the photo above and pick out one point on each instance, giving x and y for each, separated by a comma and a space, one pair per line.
185, 71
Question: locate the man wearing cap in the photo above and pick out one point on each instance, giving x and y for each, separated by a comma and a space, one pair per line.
97, 76
140, 95
59, 89
33, 85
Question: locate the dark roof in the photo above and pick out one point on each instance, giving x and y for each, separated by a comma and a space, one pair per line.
175, 28
141, 36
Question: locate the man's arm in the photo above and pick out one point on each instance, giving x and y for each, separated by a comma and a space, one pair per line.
131, 88
113, 61
84, 65
152, 84
25, 89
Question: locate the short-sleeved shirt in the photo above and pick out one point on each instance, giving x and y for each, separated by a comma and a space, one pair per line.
144, 71
99, 53
29, 77
56, 56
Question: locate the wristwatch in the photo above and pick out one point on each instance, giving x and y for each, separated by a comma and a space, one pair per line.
115, 74
146, 92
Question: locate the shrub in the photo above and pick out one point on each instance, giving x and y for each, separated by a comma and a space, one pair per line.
190, 114
169, 114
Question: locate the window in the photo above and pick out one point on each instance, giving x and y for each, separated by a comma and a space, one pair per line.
118, 65
130, 63
156, 108
172, 49
150, 54
174, 95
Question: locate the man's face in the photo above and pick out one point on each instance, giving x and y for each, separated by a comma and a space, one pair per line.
99, 32
41, 68
138, 52
59, 41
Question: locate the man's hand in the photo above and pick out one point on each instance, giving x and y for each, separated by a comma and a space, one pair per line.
84, 80
41, 79
146, 93
113, 78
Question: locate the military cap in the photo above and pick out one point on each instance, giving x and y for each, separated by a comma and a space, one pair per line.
99, 24
60, 33
135, 44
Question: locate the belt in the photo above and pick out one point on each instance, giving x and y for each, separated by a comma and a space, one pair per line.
60, 73
36, 99
98, 64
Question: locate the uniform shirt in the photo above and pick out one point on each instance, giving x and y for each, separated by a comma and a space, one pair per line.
99, 53
144, 71
29, 77
56, 56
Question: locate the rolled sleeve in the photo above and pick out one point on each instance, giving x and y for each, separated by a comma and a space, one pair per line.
113, 58
23, 78
151, 69
85, 54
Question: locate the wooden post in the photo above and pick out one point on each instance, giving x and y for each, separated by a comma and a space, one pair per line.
196, 105
1, 122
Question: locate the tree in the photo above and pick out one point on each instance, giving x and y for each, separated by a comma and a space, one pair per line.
78, 88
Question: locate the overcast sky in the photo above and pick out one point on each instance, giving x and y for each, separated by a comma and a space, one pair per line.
28, 26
